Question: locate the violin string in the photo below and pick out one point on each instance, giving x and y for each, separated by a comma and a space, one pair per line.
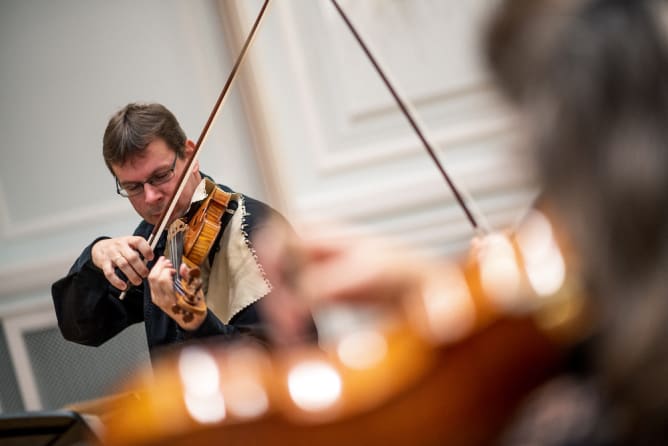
411, 117
176, 252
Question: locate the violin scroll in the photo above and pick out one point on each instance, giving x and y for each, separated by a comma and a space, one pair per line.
189, 296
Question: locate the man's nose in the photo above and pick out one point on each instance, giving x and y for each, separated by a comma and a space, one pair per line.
151, 193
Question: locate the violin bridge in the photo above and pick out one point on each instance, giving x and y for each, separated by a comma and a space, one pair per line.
178, 226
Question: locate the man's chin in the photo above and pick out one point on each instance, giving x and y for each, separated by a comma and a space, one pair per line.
152, 219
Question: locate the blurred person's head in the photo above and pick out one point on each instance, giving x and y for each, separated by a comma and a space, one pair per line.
590, 80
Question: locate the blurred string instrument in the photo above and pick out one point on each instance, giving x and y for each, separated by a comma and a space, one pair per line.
447, 365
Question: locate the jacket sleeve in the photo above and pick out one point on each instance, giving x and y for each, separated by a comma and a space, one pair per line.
246, 324
88, 309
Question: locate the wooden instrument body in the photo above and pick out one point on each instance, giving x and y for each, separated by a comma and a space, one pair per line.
462, 394
429, 386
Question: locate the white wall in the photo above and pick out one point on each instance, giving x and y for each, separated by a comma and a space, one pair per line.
343, 150
314, 131
66, 66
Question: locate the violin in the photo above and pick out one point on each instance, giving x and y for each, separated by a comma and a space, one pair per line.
190, 242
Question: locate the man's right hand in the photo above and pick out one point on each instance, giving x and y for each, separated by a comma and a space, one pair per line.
125, 253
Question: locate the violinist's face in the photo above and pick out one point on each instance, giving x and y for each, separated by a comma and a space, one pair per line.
155, 160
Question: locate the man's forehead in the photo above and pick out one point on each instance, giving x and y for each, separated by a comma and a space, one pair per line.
143, 164
157, 149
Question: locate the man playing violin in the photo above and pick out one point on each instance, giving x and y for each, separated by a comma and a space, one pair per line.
146, 151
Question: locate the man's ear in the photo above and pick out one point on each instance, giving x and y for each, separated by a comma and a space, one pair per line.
190, 150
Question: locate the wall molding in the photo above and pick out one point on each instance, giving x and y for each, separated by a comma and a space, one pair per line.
65, 221
35, 274
481, 177
365, 155
14, 329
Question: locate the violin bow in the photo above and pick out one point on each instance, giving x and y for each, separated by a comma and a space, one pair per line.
412, 120
183, 178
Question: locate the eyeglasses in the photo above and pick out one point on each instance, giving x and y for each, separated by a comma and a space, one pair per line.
137, 188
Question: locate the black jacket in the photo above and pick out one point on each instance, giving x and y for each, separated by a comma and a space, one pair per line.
89, 311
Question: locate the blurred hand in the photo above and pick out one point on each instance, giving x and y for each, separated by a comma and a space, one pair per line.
319, 269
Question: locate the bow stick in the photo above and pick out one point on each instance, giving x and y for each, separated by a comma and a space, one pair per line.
411, 117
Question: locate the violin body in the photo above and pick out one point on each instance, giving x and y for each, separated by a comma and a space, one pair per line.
204, 226
190, 244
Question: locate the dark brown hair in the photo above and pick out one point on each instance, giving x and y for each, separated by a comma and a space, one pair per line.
131, 129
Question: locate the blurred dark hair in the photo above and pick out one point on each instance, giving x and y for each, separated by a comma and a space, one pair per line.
590, 77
